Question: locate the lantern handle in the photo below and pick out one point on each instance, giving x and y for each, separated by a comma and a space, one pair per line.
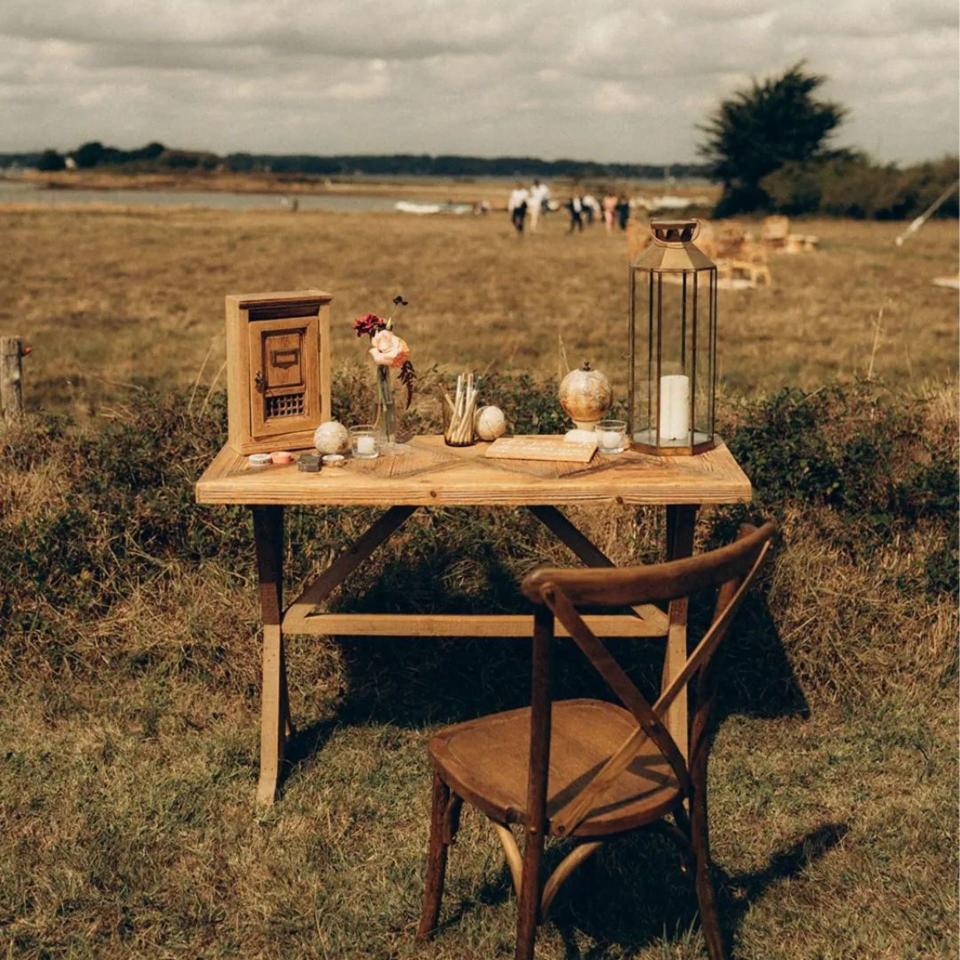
669, 232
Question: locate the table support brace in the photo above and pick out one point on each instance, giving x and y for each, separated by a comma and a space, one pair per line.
321, 586
561, 527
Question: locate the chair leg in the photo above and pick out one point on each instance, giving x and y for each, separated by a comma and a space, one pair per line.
436, 859
528, 908
706, 897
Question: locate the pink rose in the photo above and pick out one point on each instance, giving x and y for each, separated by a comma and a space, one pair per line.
389, 350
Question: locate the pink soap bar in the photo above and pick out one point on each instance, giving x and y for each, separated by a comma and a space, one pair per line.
282, 456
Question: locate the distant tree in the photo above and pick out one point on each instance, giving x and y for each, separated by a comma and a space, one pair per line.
90, 154
50, 161
760, 129
152, 150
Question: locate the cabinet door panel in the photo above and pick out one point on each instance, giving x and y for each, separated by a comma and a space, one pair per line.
284, 372
283, 361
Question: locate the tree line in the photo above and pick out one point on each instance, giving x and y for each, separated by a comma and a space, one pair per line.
157, 157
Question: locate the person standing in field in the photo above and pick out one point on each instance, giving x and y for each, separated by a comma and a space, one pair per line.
539, 195
575, 206
591, 207
609, 206
517, 206
623, 211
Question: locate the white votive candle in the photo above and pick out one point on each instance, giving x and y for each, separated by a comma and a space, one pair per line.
674, 407
609, 439
366, 445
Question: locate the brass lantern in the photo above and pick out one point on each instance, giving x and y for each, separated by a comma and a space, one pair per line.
673, 343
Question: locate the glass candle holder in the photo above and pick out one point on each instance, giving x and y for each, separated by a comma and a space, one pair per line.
611, 436
364, 442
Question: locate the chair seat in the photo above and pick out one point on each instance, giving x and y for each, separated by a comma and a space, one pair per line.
486, 761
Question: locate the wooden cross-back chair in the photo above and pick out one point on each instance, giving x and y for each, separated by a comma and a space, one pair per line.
589, 769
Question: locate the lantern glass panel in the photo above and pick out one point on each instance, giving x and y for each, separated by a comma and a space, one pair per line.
702, 353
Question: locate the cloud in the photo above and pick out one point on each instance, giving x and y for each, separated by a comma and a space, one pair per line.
547, 77
617, 98
371, 83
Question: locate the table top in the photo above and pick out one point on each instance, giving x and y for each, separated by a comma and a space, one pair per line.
433, 474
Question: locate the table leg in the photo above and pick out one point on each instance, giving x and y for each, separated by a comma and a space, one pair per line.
681, 520
274, 701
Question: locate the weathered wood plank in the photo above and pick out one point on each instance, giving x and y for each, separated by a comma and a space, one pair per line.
458, 625
12, 351
712, 477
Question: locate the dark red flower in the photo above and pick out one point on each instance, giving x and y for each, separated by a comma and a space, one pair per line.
368, 325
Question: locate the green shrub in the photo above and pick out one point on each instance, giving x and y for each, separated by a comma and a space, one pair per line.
849, 447
851, 185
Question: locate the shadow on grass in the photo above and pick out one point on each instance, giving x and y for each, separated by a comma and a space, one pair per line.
636, 893
417, 681
305, 743
424, 681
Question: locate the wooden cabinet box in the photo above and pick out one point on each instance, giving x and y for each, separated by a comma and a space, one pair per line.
278, 369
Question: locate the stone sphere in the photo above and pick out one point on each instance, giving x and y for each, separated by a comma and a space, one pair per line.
490, 423
586, 396
331, 437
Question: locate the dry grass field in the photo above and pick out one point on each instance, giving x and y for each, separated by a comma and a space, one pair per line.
110, 297
128, 626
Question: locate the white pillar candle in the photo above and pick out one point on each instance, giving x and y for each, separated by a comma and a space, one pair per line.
674, 407
366, 445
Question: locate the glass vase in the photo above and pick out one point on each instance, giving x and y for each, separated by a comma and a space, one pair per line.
386, 419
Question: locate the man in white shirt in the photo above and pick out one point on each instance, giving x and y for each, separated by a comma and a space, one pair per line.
591, 207
517, 206
539, 195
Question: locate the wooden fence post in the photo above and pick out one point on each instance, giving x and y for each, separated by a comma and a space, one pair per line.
12, 351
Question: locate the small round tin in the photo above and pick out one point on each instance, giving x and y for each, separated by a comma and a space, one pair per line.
334, 460
258, 459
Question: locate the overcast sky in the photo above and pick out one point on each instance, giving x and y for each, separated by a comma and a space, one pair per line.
588, 79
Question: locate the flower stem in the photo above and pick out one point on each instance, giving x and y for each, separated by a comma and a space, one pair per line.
387, 412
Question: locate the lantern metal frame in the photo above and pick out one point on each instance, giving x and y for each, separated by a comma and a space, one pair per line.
672, 257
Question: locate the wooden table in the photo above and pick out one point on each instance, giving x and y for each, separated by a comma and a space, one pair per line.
431, 474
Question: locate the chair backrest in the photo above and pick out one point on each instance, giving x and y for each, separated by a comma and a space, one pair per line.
557, 592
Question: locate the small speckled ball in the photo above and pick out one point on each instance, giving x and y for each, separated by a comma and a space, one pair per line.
490, 423
331, 437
